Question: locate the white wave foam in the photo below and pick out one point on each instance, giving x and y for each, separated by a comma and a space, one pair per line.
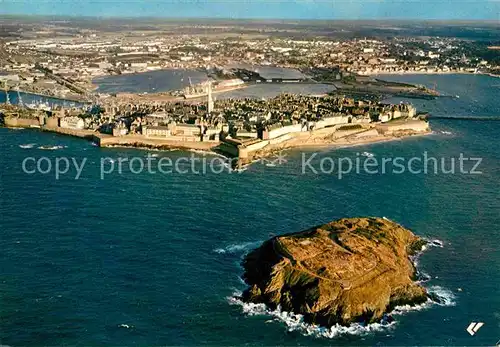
441, 296
436, 243
200, 151
367, 154
295, 322
28, 145
423, 277
238, 248
403, 309
51, 148
224, 165
430, 243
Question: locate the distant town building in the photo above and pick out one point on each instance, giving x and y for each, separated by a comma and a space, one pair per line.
9, 78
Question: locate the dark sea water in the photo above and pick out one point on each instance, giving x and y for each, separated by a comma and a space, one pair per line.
177, 79
150, 82
154, 259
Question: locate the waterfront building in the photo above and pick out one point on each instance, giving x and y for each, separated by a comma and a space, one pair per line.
72, 122
156, 131
186, 130
9, 78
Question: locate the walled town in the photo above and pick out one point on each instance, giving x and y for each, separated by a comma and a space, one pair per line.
68, 61
241, 128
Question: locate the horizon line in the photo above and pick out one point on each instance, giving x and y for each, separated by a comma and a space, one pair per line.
261, 19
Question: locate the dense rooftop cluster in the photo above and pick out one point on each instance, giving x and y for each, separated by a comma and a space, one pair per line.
82, 54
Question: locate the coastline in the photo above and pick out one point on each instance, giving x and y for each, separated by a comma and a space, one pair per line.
362, 142
403, 73
296, 141
347, 141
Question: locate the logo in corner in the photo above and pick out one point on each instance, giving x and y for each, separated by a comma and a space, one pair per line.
474, 327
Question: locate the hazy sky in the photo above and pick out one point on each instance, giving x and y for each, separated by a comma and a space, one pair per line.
276, 9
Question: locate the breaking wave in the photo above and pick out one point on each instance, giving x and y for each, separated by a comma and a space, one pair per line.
430, 243
28, 145
206, 153
51, 148
238, 248
295, 322
126, 326
367, 154
441, 296
437, 296
443, 132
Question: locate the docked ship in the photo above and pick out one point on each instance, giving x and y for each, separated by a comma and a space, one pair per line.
202, 89
42, 106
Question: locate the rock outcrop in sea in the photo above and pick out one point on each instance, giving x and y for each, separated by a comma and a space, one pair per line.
347, 271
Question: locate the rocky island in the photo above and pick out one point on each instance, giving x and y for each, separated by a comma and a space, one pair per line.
346, 271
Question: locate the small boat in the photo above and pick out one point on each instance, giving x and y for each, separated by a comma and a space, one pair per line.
367, 154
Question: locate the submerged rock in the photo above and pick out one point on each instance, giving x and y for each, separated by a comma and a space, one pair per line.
346, 271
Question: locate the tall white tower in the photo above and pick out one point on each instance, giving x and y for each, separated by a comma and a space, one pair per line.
210, 100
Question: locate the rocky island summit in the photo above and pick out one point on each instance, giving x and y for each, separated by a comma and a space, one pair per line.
346, 271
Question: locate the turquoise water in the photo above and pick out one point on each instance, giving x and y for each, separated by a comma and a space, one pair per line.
153, 259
